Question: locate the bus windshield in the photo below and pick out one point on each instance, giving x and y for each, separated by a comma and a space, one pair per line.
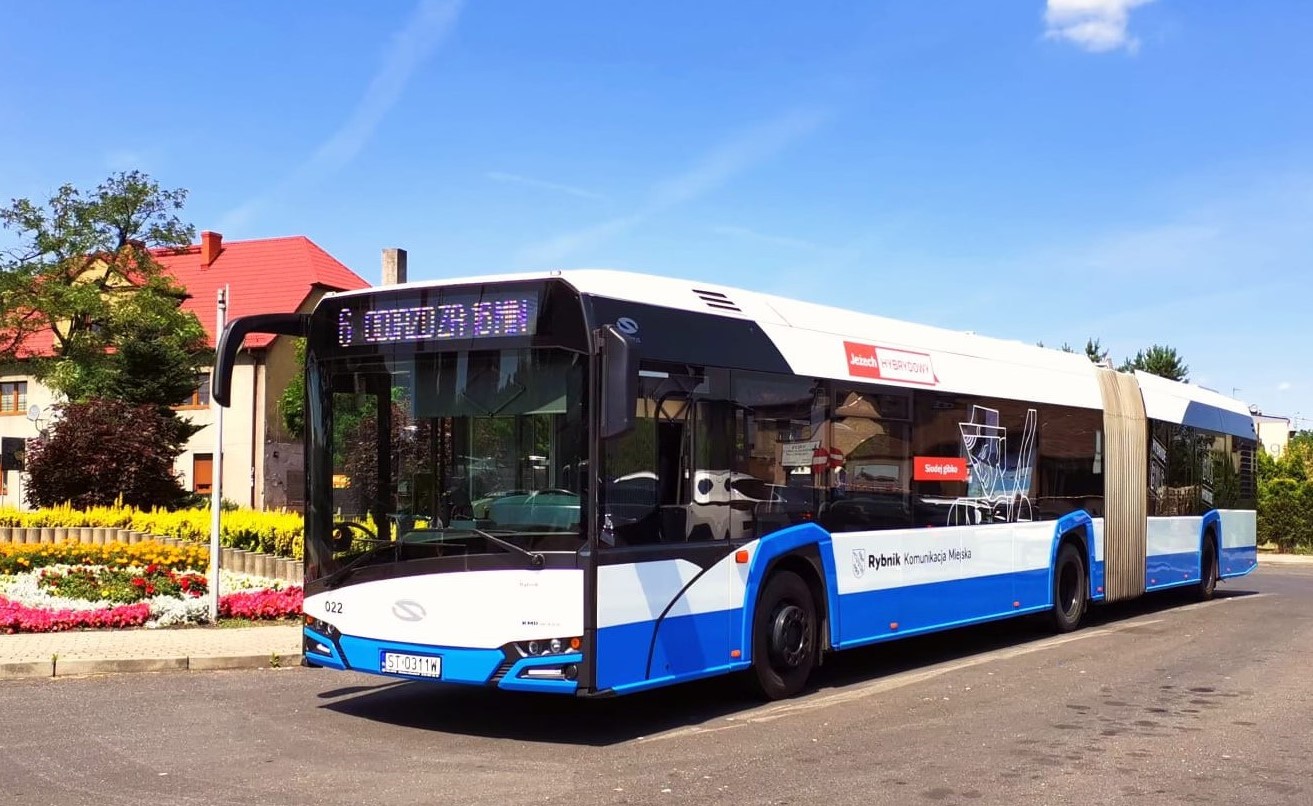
476, 451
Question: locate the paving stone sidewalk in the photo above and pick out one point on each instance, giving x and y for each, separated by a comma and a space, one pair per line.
61, 654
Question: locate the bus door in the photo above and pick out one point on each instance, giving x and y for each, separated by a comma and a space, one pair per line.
659, 538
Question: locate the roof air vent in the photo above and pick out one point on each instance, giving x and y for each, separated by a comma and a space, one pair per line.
717, 300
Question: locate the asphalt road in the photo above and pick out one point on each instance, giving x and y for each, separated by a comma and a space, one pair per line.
1155, 702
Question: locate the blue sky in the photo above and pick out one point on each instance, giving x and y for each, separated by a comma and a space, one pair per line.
1136, 170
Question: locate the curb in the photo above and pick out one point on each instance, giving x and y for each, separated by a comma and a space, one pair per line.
21, 670
1286, 559
82, 667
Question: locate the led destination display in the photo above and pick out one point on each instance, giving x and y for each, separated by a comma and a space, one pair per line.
472, 317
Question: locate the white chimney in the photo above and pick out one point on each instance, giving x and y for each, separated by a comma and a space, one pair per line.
394, 266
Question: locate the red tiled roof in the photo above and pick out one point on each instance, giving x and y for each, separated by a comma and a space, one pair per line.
270, 275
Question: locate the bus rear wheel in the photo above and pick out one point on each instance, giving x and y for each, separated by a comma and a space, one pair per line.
1207, 571
1070, 589
784, 629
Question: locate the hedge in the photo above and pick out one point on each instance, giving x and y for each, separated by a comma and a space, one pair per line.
271, 532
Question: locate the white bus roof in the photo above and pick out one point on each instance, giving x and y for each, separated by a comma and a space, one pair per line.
815, 341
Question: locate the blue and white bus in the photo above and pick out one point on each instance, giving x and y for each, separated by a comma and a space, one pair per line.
598, 482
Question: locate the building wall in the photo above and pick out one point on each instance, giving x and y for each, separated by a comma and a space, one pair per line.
1274, 433
18, 425
240, 460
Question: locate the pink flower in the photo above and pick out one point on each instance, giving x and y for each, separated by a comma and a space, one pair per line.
266, 604
16, 617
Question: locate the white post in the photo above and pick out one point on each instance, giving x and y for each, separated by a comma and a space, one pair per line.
216, 467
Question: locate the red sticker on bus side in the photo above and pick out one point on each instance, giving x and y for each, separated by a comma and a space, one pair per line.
939, 468
889, 364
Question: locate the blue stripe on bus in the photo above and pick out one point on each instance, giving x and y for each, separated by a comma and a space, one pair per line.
459, 665
1171, 570
1238, 561
1183, 568
687, 647
684, 644
693, 646
868, 616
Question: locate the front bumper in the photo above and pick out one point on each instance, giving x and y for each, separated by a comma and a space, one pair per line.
505, 667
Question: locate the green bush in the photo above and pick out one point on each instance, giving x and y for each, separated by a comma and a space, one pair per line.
1285, 514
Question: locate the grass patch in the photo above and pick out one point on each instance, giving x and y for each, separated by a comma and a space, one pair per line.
238, 623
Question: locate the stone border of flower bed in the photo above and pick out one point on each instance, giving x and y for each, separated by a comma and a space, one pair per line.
80, 667
241, 560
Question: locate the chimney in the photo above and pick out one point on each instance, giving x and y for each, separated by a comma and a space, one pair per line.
211, 246
394, 266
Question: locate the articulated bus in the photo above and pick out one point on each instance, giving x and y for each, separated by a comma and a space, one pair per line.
596, 482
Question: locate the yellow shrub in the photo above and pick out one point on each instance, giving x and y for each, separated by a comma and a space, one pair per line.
270, 531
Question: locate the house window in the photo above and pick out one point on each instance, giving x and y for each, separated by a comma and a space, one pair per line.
202, 473
13, 397
200, 396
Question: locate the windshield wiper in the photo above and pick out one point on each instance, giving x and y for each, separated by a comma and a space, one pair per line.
535, 558
340, 575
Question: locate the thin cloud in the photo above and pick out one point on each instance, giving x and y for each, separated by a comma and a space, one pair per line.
428, 26
540, 184
1097, 26
756, 145
716, 168
1284, 386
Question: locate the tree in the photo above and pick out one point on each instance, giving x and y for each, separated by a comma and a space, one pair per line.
101, 451
1158, 360
86, 277
291, 404
1094, 351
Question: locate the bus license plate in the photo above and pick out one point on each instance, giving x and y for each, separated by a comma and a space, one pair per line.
414, 665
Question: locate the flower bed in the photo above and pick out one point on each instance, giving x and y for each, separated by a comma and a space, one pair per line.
70, 586
126, 585
19, 557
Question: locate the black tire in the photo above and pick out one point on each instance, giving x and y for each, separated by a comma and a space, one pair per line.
1070, 589
784, 631
1208, 571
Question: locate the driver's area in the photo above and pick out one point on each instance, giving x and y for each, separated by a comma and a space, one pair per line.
453, 454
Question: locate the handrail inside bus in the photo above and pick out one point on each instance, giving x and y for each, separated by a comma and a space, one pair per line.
278, 324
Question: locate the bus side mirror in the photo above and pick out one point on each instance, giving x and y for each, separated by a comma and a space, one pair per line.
619, 382
230, 342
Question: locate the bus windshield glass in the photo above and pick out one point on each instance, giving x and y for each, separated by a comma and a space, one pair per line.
463, 452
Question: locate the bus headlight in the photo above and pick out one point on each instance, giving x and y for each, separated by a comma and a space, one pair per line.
554, 646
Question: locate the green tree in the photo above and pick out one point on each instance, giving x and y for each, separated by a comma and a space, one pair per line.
1284, 519
291, 404
103, 450
1094, 351
85, 280
1159, 360
1297, 459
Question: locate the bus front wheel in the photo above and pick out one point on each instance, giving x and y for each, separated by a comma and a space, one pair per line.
784, 629
1070, 589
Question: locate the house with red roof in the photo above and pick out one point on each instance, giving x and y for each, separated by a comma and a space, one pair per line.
262, 463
